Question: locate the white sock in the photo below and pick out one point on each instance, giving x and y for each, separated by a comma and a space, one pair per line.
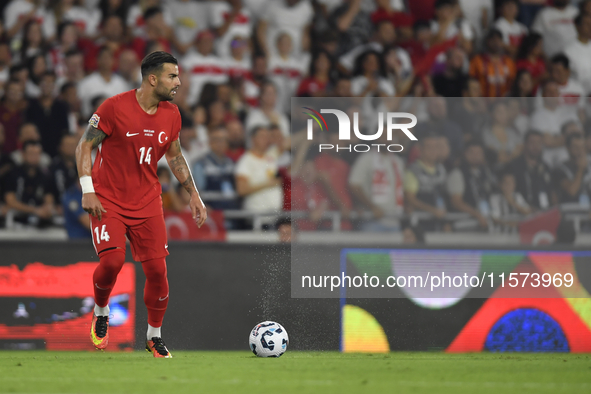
153, 332
101, 311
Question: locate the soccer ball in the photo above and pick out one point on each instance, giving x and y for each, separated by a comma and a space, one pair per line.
268, 339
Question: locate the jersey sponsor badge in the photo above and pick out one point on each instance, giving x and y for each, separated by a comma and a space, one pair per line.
94, 121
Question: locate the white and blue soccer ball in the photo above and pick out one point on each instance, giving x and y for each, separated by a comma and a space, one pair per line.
268, 339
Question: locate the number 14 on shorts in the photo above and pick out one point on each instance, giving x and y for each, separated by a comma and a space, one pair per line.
104, 235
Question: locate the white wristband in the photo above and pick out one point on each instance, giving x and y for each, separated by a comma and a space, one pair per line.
86, 183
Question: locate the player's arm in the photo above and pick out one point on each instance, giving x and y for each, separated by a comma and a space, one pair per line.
91, 138
179, 167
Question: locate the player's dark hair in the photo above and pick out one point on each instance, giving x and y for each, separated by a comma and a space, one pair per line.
561, 58
152, 11
154, 62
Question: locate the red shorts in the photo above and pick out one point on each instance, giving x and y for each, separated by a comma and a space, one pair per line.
147, 236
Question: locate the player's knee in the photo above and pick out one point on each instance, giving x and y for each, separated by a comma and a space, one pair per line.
155, 270
113, 260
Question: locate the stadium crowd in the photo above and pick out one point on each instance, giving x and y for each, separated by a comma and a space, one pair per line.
504, 120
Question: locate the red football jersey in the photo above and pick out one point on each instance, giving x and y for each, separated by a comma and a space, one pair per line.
124, 171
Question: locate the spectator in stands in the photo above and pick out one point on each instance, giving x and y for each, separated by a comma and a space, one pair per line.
579, 52
501, 137
471, 185
112, 36
331, 166
471, 111
571, 178
412, 235
76, 219
69, 94
19, 13
67, 10
73, 71
425, 179
291, 16
551, 116
12, 113
155, 30
452, 80
129, 69
189, 18
287, 70
353, 24
285, 230
257, 178
236, 140
229, 18
308, 194
555, 24
383, 38
532, 175
522, 92
63, 167
29, 132
238, 63
6, 163
376, 181
555, 157
316, 83
531, 58
493, 68
67, 41
202, 66
101, 82
439, 121
507, 201
5, 59
37, 66
370, 77
267, 112
33, 43
572, 93
448, 25
170, 199
28, 189
49, 114
214, 173
342, 87
512, 30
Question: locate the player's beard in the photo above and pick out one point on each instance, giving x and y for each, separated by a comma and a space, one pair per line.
164, 94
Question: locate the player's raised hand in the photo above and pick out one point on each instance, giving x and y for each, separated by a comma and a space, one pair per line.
198, 209
92, 205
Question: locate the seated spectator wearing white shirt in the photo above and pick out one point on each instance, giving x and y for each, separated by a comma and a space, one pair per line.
257, 179
267, 113
238, 63
572, 179
579, 52
555, 24
572, 94
19, 12
202, 66
550, 118
513, 31
101, 82
287, 70
229, 19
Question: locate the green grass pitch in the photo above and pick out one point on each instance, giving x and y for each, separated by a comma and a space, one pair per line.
295, 372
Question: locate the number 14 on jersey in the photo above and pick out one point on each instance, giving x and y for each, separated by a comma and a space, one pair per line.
145, 157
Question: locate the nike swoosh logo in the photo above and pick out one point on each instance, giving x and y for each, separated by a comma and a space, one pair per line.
100, 288
131, 135
166, 246
162, 299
